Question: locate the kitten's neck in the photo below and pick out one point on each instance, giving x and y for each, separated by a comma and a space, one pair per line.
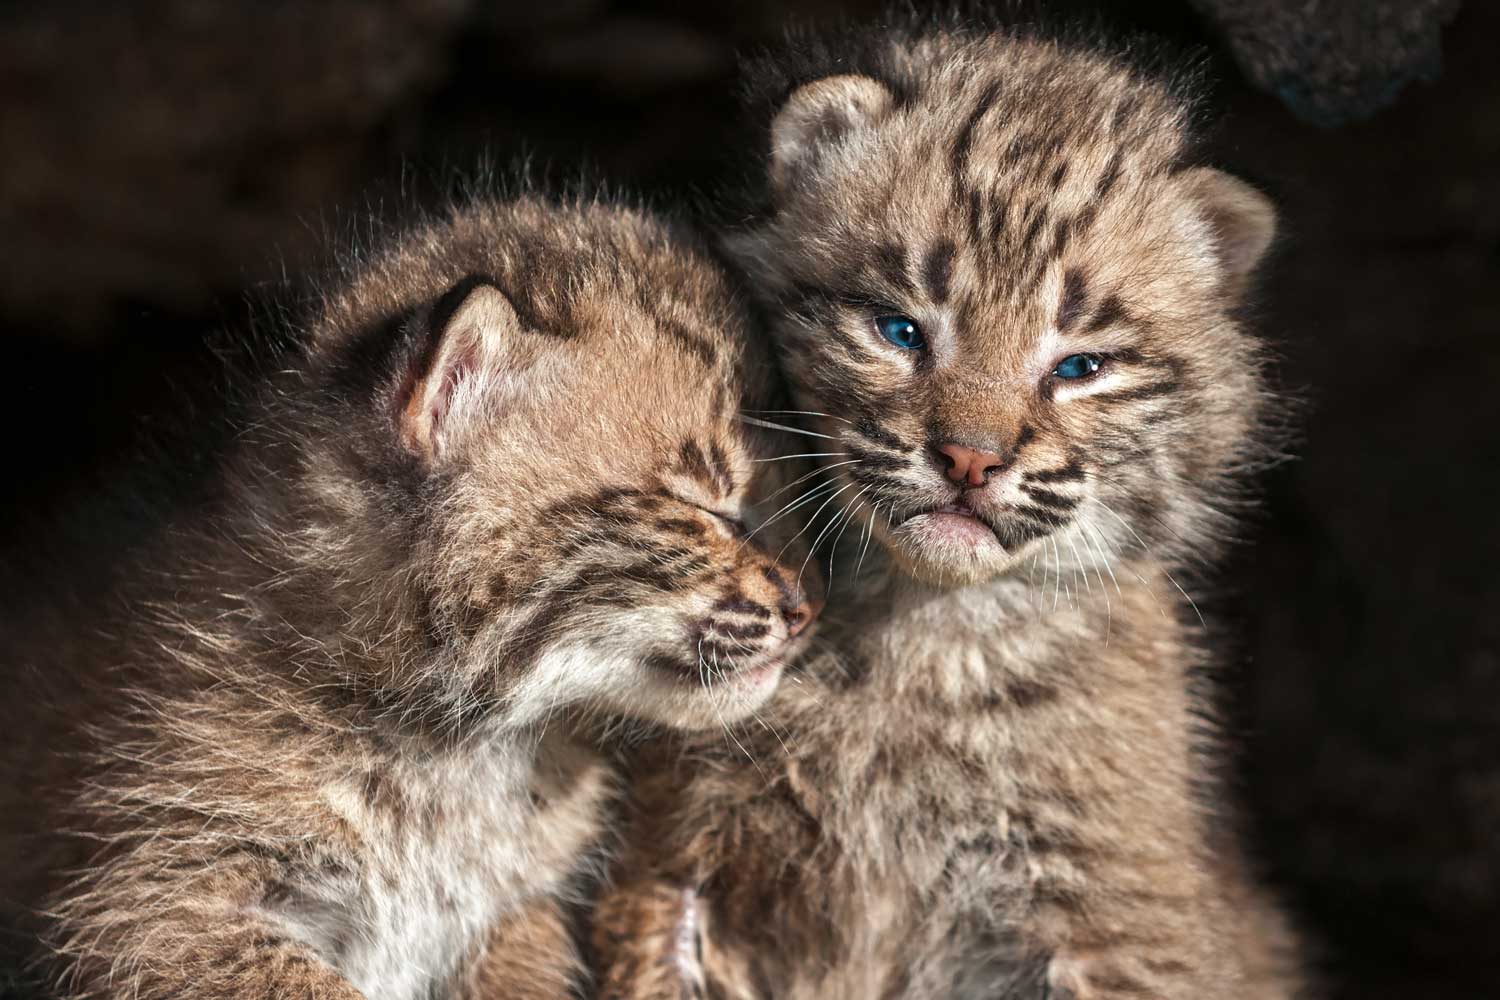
888, 620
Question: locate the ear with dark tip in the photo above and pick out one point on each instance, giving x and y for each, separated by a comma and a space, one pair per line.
1242, 220
821, 111
475, 335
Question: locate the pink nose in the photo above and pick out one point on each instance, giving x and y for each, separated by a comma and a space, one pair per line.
968, 465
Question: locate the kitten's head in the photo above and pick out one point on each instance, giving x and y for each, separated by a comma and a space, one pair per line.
994, 273
533, 441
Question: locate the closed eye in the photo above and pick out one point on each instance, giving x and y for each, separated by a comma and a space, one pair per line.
730, 521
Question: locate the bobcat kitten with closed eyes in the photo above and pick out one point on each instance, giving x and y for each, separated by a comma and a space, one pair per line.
1009, 302
301, 747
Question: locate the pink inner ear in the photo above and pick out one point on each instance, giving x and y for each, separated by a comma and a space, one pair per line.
428, 404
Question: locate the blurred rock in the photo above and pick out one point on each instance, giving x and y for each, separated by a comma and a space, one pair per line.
1333, 61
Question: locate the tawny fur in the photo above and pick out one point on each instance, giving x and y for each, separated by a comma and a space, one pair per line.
994, 779
305, 742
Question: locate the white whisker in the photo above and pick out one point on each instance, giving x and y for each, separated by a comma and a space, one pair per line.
869, 530
783, 427
803, 413
806, 476
805, 454
1147, 549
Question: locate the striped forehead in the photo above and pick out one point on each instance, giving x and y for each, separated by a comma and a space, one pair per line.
995, 230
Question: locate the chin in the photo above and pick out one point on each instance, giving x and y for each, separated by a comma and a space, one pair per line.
949, 549
684, 703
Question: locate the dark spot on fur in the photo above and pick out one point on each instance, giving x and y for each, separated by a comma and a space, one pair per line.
937, 270
1029, 694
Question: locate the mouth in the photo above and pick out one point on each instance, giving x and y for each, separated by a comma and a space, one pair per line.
950, 525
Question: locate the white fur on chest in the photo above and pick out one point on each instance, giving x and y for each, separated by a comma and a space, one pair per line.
448, 847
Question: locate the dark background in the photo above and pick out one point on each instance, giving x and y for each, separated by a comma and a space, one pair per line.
162, 159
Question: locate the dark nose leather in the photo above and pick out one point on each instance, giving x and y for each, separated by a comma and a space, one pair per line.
966, 465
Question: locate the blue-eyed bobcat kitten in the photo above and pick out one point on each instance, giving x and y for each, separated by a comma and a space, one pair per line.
301, 748
1010, 303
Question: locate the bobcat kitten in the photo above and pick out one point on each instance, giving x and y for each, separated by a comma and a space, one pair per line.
301, 748
1009, 302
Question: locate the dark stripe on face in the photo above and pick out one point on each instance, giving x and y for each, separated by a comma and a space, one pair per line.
1111, 174
1111, 311
975, 212
1075, 295
937, 270
679, 526
696, 345
1047, 498
1041, 515
1154, 390
890, 262
870, 429
873, 460
740, 604
999, 211
1067, 473
964, 141
722, 471
691, 460
1039, 219
752, 630
1015, 533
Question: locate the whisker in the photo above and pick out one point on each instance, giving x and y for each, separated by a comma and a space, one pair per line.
792, 505
803, 413
1109, 618
1079, 556
869, 531
806, 476
805, 454
1056, 572
1090, 526
813, 519
833, 547
1147, 549
783, 427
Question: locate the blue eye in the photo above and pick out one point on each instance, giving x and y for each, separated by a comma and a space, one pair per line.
1077, 366
901, 331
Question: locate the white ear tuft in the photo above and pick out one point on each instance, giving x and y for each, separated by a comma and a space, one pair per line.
818, 112
1242, 219
474, 337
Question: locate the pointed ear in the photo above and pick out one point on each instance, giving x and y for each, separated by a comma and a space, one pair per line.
475, 326
818, 112
1243, 222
